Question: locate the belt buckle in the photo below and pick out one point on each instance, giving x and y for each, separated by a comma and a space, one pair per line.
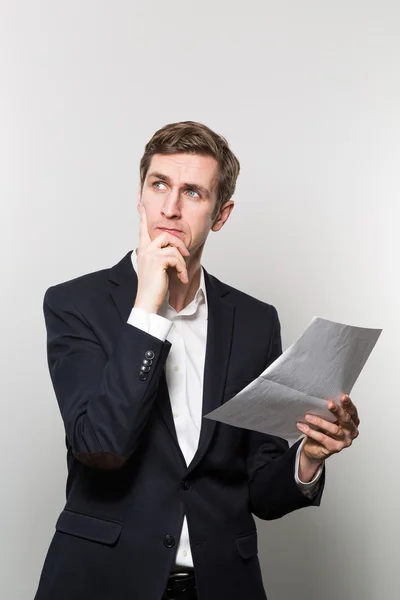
178, 577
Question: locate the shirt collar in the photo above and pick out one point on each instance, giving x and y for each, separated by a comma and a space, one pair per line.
199, 298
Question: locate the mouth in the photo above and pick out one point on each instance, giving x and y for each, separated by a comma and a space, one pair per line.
173, 231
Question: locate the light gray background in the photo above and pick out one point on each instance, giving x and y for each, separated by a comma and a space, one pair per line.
307, 92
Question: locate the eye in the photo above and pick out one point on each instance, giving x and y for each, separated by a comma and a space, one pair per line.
158, 183
197, 195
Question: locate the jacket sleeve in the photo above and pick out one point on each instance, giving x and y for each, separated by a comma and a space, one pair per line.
271, 463
104, 402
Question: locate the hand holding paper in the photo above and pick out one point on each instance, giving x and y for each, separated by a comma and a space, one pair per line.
324, 438
322, 365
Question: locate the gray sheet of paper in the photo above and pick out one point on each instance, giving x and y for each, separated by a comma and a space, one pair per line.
321, 365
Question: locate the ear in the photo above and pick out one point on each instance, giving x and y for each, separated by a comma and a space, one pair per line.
223, 215
139, 198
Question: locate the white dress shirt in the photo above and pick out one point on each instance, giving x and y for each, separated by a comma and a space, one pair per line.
187, 332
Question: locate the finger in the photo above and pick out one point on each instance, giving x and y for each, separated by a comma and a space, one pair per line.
332, 429
167, 239
328, 444
349, 407
144, 237
171, 251
175, 262
344, 418
171, 257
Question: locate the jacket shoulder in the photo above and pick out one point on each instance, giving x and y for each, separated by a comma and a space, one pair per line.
91, 285
245, 301
87, 286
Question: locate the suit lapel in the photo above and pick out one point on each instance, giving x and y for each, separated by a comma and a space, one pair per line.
219, 340
124, 292
164, 406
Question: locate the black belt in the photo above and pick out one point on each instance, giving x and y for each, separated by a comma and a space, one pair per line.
181, 586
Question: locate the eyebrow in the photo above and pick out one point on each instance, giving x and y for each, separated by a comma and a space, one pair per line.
187, 185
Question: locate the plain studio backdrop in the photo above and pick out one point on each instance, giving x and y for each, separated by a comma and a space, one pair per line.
308, 95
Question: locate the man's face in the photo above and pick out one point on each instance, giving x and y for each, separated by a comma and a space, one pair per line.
179, 194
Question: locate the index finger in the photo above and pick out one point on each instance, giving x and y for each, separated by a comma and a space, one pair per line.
350, 408
144, 237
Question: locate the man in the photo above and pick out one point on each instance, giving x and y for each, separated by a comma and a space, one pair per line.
160, 501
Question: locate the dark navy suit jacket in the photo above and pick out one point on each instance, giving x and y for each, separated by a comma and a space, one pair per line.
128, 485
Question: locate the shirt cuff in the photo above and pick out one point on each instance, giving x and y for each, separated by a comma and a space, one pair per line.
151, 323
311, 487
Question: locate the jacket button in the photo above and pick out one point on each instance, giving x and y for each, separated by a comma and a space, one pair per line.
149, 354
169, 541
185, 485
145, 369
143, 376
147, 362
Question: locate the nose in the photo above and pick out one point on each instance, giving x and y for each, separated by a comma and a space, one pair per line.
171, 208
